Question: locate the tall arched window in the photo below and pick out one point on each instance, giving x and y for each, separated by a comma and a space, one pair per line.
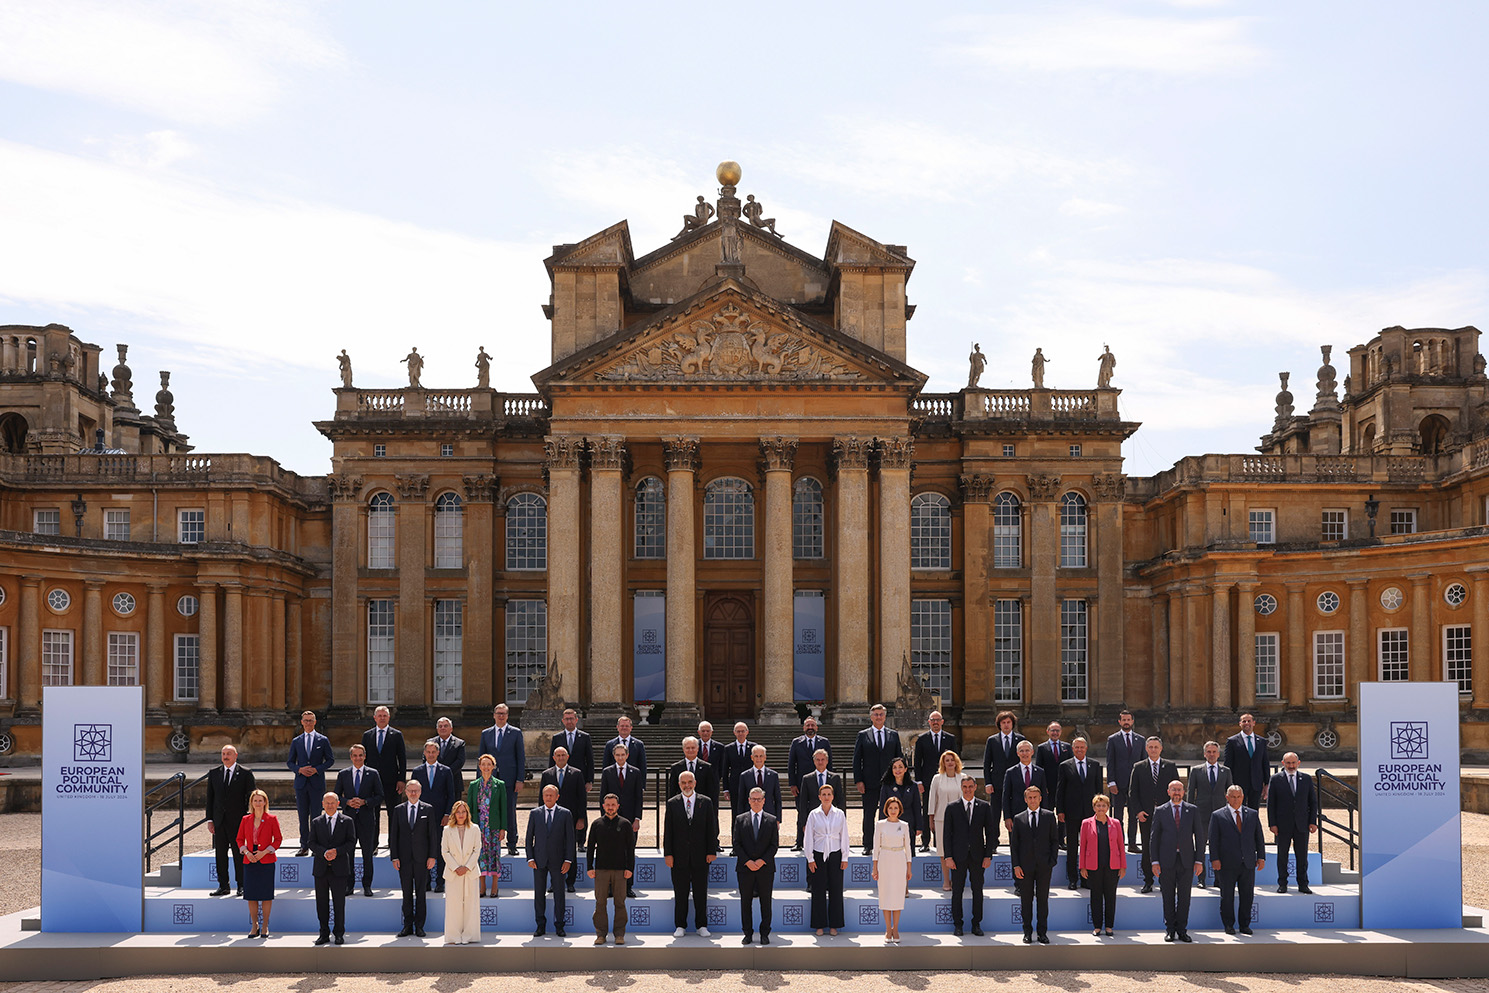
651, 519
1008, 532
527, 532
449, 532
806, 519
1072, 531
729, 519
380, 524
930, 531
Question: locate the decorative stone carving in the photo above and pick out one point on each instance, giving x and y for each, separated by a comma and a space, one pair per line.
851, 453
731, 345
344, 361
1036, 368
977, 363
1284, 404
344, 487
607, 453
913, 697
777, 453
546, 693
483, 369
753, 210
1106, 363
1326, 375
896, 453
123, 380
103, 383
1478, 365
412, 486
415, 367
165, 402
480, 488
729, 244
1043, 486
977, 488
681, 454
562, 452
698, 218
1108, 485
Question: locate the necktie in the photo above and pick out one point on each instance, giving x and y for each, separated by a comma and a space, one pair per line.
413, 813
1293, 783
307, 747
969, 812
880, 736
382, 734
1176, 823
1129, 740
1028, 778
550, 819
622, 775
1238, 820
821, 780
760, 779
937, 739
560, 779
1212, 776
227, 780
690, 766
357, 781
1250, 749
757, 823
1082, 766
571, 741
1155, 772
690, 808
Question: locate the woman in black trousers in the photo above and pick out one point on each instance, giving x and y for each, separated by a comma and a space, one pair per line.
1103, 863
827, 856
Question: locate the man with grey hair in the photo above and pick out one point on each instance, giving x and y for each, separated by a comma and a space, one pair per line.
706, 775
228, 787
1208, 783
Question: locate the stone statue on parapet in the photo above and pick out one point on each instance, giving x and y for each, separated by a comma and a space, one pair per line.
978, 362
752, 210
483, 369
697, 219
1106, 363
546, 694
345, 361
914, 700
415, 367
1037, 368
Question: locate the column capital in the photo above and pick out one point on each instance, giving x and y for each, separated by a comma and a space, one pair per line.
480, 488
681, 454
156, 588
608, 452
1043, 486
896, 453
344, 487
1358, 584
562, 452
777, 454
851, 453
32, 581
977, 488
1108, 485
412, 485
205, 588
93, 585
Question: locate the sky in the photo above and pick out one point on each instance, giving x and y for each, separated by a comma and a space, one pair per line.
240, 190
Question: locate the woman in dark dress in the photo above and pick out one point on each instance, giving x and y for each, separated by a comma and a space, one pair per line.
897, 783
258, 839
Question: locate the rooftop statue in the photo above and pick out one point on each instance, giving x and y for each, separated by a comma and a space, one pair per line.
1108, 362
978, 363
753, 210
697, 219
1037, 368
345, 362
415, 367
483, 369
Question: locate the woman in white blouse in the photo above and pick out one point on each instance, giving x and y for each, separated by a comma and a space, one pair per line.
945, 789
461, 847
827, 856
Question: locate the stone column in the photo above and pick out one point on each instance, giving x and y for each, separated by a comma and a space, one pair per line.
1158, 608
563, 454
851, 459
1220, 653
1424, 666
1480, 636
1246, 645
93, 669
412, 670
776, 458
157, 666
607, 594
275, 699
206, 625
1178, 663
894, 562
682, 643
348, 615
1108, 674
476, 650
1042, 669
1358, 650
1298, 661
294, 649
28, 652
980, 691
232, 646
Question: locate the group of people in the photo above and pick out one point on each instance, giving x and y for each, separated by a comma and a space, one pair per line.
447, 835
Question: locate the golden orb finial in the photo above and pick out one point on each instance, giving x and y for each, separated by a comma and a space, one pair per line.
728, 173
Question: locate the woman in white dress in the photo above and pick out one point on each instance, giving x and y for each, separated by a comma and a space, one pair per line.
945, 789
893, 850
461, 846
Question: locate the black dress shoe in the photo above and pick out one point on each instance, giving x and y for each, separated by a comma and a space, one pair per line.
324, 939
419, 932
796, 848
367, 891
539, 931
1028, 939
1168, 936
1073, 885
240, 892
1303, 888
1246, 931
408, 929
1200, 883
977, 930
302, 853
1230, 930
559, 930
746, 940
340, 939
764, 938
220, 891
1281, 887
1147, 888
1184, 936
571, 888
630, 893
957, 931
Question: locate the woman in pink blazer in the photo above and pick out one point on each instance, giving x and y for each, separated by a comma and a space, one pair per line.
1103, 862
258, 839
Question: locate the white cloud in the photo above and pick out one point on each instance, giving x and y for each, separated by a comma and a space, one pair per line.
1095, 39
198, 61
1081, 207
153, 150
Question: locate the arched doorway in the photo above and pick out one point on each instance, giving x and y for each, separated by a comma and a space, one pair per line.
728, 658
13, 431
1434, 433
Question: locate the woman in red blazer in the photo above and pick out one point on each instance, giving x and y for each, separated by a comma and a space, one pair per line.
258, 839
1103, 862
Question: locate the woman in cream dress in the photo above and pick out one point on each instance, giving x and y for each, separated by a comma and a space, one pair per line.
893, 853
944, 789
461, 846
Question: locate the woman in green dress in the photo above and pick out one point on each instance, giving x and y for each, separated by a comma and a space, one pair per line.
487, 797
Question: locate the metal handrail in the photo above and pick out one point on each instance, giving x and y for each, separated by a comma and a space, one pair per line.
1341, 795
176, 787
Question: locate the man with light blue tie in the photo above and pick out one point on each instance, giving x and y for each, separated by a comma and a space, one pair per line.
310, 757
550, 853
503, 742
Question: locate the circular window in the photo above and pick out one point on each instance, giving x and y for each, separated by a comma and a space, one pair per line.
1391, 598
2, 596
1455, 594
180, 743
187, 606
1266, 604
123, 604
1275, 740
1328, 602
59, 600
1327, 739
6, 743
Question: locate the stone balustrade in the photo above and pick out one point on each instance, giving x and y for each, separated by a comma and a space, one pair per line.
411, 402
1345, 469
191, 469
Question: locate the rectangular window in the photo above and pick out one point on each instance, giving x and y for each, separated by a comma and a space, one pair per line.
1404, 521
1008, 451
124, 659
447, 657
527, 647
1394, 657
191, 526
1268, 682
446, 451
1263, 531
1075, 451
4, 663
1458, 655
930, 645
1074, 670
56, 658
1328, 665
1335, 525
1008, 651
379, 451
47, 522
116, 525
188, 667
379, 651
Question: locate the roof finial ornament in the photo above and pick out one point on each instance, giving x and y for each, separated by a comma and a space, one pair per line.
730, 263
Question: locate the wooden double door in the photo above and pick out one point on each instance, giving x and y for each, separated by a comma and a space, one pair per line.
728, 659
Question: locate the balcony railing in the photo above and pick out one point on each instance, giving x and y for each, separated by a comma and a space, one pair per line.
162, 469
417, 402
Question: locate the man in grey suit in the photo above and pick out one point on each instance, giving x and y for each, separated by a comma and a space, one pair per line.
1207, 785
1238, 850
1176, 846
550, 853
1124, 749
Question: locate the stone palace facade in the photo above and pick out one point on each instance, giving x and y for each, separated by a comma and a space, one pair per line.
730, 496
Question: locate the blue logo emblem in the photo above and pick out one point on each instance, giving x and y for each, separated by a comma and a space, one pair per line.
290, 872
182, 913
646, 873
794, 913
716, 872
861, 872
1002, 871
790, 872
93, 742
717, 915
1408, 739
568, 915
504, 873
1323, 913
943, 913
488, 916
212, 871
930, 872
639, 916
868, 914
1017, 913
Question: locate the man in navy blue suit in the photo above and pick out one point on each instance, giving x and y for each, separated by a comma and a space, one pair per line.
361, 791
736, 759
550, 853
799, 758
503, 742
438, 784
413, 845
757, 776
998, 756
310, 757
1048, 756
874, 751
1292, 812
1246, 757
1019, 777
710, 750
635, 748
1176, 845
1238, 850
578, 744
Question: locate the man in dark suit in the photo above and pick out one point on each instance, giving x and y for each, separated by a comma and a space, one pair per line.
228, 786
970, 843
1246, 757
629, 787
635, 747
1078, 780
807, 792
707, 776
736, 759
1000, 755
569, 782
361, 791
1292, 813
580, 748
874, 751
1048, 756
451, 753
333, 840
550, 854
1238, 850
1147, 785
1022, 775
710, 750
758, 776
690, 843
757, 837
413, 844
1208, 783
929, 745
386, 754
1124, 749
1034, 848
1177, 843
799, 758
439, 792
310, 757
503, 742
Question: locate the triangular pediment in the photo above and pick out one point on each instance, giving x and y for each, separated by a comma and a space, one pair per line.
731, 334
610, 247
846, 247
